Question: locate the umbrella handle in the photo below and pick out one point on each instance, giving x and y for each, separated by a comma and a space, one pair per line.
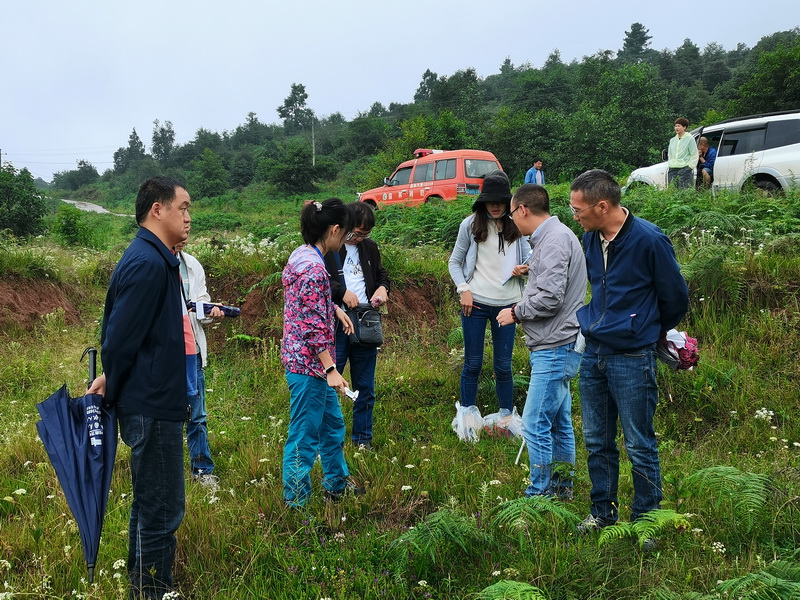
92, 352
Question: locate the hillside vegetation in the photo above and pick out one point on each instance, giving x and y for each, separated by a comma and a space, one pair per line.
613, 110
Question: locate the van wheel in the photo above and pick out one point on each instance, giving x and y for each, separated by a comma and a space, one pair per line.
765, 187
433, 199
371, 203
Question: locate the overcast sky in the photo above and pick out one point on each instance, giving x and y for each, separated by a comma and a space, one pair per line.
79, 76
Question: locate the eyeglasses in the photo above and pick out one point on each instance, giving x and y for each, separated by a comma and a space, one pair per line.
355, 236
511, 214
578, 211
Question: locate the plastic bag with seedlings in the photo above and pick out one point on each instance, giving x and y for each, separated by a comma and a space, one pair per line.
468, 423
506, 423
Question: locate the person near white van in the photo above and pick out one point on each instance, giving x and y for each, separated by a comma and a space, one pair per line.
683, 156
708, 156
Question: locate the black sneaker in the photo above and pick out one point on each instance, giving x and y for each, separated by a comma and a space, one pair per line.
648, 544
565, 494
351, 488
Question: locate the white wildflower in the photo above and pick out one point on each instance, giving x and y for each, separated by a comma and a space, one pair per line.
764, 414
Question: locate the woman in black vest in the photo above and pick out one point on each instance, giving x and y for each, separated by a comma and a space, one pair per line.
358, 277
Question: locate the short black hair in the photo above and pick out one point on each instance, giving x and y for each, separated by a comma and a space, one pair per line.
534, 197
317, 217
156, 189
597, 185
536, 159
682, 121
361, 215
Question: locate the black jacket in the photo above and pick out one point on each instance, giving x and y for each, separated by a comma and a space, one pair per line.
143, 351
375, 275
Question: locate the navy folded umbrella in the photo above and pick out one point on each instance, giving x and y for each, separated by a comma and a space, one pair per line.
80, 436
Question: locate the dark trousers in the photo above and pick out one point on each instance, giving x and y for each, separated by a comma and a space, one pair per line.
159, 501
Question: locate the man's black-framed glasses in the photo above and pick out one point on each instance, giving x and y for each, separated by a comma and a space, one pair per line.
511, 214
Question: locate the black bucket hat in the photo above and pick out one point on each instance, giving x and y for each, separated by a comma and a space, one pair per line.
496, 188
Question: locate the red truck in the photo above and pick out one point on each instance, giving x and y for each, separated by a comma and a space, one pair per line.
434, 174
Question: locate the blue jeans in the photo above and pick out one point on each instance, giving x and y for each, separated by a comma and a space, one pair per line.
474, 327
197, 428
547, 419
159, 501
316, 427
362, 378
621, 386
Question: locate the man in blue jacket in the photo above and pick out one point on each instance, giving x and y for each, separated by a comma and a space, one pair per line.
535, 174
707, 158
144, 361
638, 293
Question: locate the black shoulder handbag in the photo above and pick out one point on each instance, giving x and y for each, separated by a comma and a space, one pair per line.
367, 326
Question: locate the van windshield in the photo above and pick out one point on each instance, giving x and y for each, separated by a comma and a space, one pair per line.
400, 177
475, 168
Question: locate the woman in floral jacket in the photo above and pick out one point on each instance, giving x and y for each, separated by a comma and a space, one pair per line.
316, 425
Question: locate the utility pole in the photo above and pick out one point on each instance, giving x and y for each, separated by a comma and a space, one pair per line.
313, 143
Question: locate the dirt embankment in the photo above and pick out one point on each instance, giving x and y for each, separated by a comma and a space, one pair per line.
24, 301
407, 304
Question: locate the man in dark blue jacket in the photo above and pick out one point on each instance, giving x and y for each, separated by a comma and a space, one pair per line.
144, 362
638, 293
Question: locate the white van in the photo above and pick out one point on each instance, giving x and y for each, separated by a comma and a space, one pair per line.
762, 151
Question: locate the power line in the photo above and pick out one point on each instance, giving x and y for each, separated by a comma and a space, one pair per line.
39, 162
66, 150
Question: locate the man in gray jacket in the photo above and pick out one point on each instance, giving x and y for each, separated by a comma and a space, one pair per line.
556, 289
193, 278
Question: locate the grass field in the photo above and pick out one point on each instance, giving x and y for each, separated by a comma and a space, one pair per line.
440, 519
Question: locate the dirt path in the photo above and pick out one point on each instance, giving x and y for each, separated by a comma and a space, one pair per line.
89, 207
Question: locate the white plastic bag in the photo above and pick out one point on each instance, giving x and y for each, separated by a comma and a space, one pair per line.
467, 423
505, 423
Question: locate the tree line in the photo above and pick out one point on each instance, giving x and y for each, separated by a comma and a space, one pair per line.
612, 110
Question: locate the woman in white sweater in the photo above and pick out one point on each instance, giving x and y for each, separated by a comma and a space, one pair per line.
486, 265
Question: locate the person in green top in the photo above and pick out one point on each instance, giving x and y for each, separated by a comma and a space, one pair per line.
682, 156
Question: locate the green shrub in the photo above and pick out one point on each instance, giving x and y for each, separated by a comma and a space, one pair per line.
72, 227
22, 207
26, 261
218, 221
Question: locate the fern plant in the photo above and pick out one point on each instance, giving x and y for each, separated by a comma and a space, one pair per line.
747, 492
778, 581
714, 271
511, 590
524, 513
443, 535
647, 527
